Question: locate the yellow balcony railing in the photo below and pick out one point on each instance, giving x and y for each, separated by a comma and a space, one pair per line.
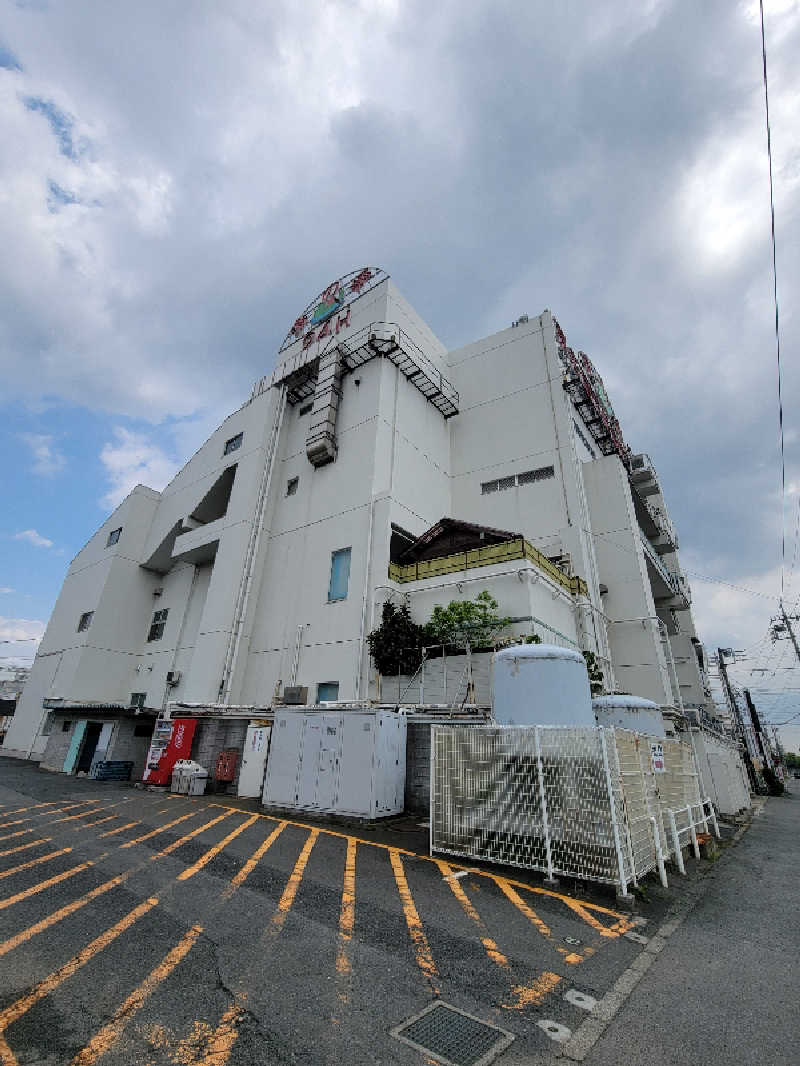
509, 551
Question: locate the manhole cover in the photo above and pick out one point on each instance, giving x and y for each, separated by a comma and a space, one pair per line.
453, 1037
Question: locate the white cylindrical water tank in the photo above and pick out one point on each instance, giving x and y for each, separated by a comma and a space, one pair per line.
629, 712
541, 684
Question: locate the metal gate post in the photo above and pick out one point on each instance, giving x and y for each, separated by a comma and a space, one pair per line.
543, 800
676, 841
712, 816
623, 881
693, 831
662, 871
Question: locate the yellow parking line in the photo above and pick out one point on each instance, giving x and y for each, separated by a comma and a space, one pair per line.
348, 913
103, 1040
492, 950
21, 1006
9, 901
253, 861
209, 855
182, 840
155, 832
417, 933
42, 814
113, 832
34, 862
90, 825
510, 893
32, 807
24, 847
81, 814
292, 885
19, 833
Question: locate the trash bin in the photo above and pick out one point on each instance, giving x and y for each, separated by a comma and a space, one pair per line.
180, 776
196, 779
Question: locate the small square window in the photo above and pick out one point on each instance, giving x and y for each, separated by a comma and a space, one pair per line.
137, 699
66, 725
291, 486
488, 486
113, 537
306, 409
157, 625
327, 691
85, 621
234, 443
340, 575
143, 728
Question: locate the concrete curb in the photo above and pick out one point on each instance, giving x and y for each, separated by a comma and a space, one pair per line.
586, 1036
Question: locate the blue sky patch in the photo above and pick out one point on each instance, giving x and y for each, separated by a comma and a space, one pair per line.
61, 124
59, 197
8, 61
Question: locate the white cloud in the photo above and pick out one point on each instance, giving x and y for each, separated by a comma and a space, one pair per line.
34, 538
5, 590
21, 629
133, 460
47, 459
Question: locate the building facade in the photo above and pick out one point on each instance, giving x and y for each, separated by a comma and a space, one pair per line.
264, 564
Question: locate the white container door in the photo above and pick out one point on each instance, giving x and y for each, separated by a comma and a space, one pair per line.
254, 757
356, 768
327, 773
280, 786
309, 763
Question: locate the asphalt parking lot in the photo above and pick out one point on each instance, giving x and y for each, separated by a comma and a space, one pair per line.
138, 927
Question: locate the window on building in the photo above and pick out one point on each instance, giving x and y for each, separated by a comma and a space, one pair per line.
143, 728
137, 699
306, 409
488, 486
85, 621
291, 486
158, 624
340, 575
113, 537
327, 691
66, 725
232, 444
506, 483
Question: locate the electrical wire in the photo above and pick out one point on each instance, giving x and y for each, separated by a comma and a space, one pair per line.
775, 297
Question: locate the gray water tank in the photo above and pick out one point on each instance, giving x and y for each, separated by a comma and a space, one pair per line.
629, 712
541, 684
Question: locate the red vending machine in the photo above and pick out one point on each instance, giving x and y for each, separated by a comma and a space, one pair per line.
171, 741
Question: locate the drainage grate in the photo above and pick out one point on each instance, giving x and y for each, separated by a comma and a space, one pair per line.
453, 1037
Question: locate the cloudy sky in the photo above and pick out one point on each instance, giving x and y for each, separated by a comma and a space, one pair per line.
178, 180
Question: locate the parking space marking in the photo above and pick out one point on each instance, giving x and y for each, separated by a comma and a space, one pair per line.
9, 901
218, 1044
111, 1031
511, 894
348, 911
32, 807
18, 833
24, 847
80, 814
34, 862
254, 860
157, 830
492, 950
43, 814
113, 832
292, 885
21, 1006
190, 871
416, 932
90, 825
188, 836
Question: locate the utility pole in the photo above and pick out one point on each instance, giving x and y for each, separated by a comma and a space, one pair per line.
763, 740
737, 717
787, 621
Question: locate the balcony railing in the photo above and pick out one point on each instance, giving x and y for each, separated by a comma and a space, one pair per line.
509, 551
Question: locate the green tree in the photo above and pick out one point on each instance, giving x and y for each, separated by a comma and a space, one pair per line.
475, 622
396, 645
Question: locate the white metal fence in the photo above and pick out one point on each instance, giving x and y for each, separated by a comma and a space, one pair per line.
599, 804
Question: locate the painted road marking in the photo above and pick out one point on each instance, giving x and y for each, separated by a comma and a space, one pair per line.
155, 832
417, 933
43, 814
34, 862
109, 1034
113, 832
9, 901
183, 840
19, 833
254, 859
558, 1033
292, 885
209, 855
21, 1006
24, 847
580, 999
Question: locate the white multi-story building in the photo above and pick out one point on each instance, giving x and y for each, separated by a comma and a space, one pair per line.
265, 562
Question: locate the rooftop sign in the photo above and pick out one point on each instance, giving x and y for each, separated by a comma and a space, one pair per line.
322, 317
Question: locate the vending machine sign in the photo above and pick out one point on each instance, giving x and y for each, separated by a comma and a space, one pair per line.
171, 741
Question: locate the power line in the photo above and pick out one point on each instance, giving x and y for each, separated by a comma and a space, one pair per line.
775, 296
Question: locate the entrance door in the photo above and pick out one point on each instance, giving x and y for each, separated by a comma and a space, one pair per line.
251, 775
91, 737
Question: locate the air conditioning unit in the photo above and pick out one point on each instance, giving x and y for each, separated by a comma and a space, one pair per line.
173, 678
296, 695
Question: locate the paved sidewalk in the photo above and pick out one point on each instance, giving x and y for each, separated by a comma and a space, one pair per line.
720, 990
